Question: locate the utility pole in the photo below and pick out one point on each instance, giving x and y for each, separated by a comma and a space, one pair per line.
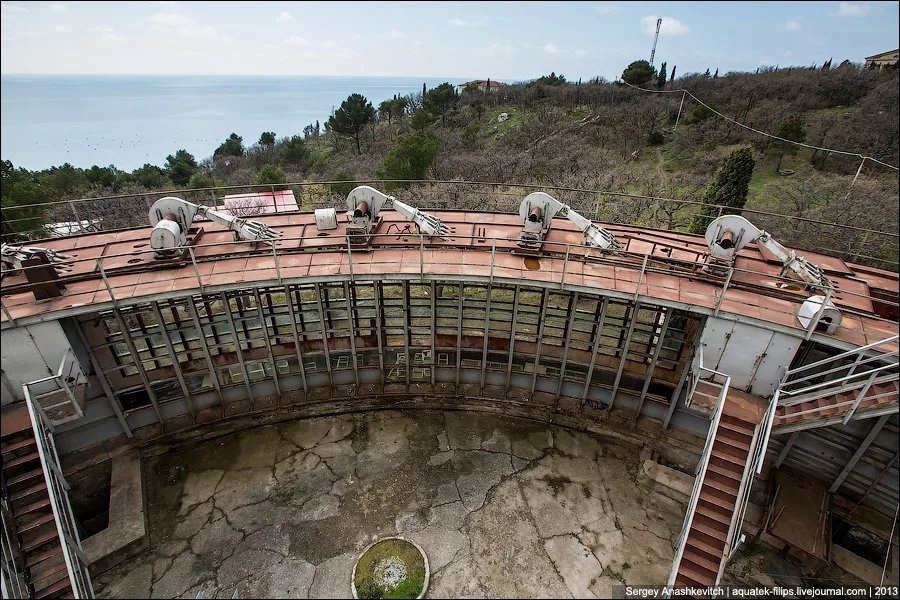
655, 38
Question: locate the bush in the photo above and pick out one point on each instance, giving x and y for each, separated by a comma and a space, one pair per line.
656, 138
411, 157
271, 175
343, 189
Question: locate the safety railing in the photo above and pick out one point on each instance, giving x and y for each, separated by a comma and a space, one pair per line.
57, 490
724, 382
857, 371
12, 581
53, 393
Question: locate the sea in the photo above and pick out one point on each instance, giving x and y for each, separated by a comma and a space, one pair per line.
132, 120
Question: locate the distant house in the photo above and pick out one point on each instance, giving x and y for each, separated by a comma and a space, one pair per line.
885, 59
259, 203
483, 85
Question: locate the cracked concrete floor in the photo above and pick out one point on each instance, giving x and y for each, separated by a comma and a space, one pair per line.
503, 507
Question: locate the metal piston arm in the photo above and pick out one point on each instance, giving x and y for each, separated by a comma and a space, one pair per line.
365, 203
539, 208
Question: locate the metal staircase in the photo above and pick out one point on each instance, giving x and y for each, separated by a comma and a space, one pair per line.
42, 554
860, 383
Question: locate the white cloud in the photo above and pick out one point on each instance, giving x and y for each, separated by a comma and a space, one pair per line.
457, 22
580, 53
669, 26
173, 23
496, 49
608, 9
396, 34
308, 54
551, 49
285, 17
59, 8
792, 25
109, 36
12, 9
849, 9
62, 28
330, 44
296, 40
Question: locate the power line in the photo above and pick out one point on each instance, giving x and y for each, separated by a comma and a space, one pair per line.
763, 133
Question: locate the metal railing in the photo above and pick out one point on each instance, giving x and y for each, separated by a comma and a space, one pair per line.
62, 384
810, 382
12, 581
57, 488
700, 476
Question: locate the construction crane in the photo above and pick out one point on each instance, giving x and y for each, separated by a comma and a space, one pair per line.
655, 38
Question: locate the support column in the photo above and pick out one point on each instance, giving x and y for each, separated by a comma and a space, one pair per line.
265, 330
459, 323
787, 448
597, 336
376, 287
126, 336
290, 307
352, 333
104, 383
873, 433
174, 356
652, 367
540, 335
567, 334
625, 347
238, 351
484, 345
324, 326
512, 339
201, 337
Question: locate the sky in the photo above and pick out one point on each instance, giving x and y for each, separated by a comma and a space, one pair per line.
508, 41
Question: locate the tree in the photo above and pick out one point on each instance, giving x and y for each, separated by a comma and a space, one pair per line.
716, 74
706, 74
354, 114
661, 80
421, 119
728, 188
672, 77
385, 111
348, 183
233, 146
18, 192
180, 167
640, 72
552, 80
411, 157
267, 139
826, 66
150, 176
794, 129
271, 175
442, 100
294, 151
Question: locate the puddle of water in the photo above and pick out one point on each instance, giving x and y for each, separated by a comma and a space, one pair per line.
532, 264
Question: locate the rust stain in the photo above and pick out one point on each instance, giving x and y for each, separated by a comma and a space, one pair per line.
532, 264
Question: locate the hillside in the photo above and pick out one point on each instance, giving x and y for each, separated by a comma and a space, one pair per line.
591, 136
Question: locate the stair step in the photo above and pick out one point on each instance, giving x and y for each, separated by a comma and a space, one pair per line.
712, 514
57, 587
728, 463
735, 438
50, 577
720, 448
35, 523
736, 424
37, 558
48, 567
28, 508
24, 493
715, 543
713, 552
723, 470
682, 580
701, 560
12, 446
713, 504
697, 573
726, 500
24, 476
710, 527
38, 541
21, 460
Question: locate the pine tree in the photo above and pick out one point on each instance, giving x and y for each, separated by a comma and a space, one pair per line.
661, 80
728, 188
353, 115
716, 74
672, 78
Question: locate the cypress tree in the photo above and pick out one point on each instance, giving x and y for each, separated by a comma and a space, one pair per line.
728, 188
661, 80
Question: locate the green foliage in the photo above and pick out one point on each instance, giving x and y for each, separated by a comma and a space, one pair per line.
353, 115
19, 191
150, 176
294, 151
698, 114
399, 550
103, 176
441, 100
552, 79
470, 135
421, 119
267, 139
181, 167
661, 79
271, 174
343, 189
639, 73
793, 128
411, 157
233, 146
656, 138
203, 180
728, 188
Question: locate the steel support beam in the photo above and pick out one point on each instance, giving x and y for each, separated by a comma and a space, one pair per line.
407, 315
376, 295
787, 449
238, 351
265, 329
160, 322
352, 334
597, 336
873, 433
201, 337
484, 345
512, 338
459, 323
652, 368
433, 332
625, 347
126, 336
540, 335
567, 333
296, 335
324, 325
104, 383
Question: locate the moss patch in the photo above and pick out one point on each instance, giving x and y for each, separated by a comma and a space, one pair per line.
367, 581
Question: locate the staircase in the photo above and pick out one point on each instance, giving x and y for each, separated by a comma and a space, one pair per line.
860, 382
705, 544
35, 531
